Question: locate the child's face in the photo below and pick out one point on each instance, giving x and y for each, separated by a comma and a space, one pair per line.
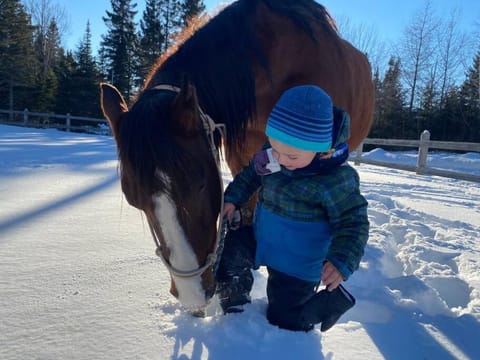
290, 157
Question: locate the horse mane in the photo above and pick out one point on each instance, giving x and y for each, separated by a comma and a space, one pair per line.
303, 13
217, 55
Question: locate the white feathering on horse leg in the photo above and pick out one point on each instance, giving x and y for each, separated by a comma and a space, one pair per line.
182, 257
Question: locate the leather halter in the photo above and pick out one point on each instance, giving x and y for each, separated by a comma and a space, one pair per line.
210, 127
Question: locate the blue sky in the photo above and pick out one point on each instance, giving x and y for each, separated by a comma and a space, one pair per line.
387, 17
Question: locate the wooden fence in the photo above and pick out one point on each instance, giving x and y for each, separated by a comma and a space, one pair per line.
423, 145
78, 123
46, 120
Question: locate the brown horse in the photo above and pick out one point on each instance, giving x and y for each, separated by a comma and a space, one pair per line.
231, 70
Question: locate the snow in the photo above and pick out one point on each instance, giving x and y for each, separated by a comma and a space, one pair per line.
79, 278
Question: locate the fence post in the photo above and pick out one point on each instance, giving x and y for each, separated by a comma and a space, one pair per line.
68, 121
423, 152
25, 116
358, 155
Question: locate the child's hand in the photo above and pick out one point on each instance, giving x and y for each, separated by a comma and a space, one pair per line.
331, 277
228, 210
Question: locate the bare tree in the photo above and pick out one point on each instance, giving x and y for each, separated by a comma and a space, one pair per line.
46, 15
417, 49
365, 37
452, 49
44, 12
476, 33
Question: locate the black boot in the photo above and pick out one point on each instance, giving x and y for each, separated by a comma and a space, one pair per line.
234, 276
326, 307
234, 294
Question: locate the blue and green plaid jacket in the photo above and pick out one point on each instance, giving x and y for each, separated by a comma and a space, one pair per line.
303, 219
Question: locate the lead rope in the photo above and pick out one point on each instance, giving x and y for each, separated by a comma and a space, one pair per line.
210, 126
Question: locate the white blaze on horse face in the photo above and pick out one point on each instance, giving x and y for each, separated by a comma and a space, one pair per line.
182, 257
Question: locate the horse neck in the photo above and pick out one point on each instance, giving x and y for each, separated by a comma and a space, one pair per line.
225, 91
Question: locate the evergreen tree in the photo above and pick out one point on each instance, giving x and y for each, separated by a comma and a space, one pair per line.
171, 20
48, 52
390, 108
120, 45
443, 124
429, 105
470, 90
162, 20
151, 38
191, 8
459, 118
103, 64
470, 95
81, 73
88, 78
49, 20
377, 82
66, 70
16, 55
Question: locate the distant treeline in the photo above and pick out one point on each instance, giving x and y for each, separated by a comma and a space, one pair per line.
419, 89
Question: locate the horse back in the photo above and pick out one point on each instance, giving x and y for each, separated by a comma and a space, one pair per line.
320, 56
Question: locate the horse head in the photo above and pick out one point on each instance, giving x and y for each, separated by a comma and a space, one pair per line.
168, 170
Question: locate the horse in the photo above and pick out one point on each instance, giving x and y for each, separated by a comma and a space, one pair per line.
225, 74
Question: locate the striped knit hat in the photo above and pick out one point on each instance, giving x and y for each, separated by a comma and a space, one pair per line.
303, 119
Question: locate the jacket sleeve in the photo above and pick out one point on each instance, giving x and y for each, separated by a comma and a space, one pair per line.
349, 222
243, 186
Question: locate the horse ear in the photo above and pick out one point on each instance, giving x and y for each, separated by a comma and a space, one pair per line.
184, 109
113, 106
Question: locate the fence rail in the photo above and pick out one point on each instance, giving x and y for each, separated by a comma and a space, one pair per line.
46, 120
423, 145
27, 118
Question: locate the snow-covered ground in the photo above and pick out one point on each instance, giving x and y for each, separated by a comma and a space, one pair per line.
79, 278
